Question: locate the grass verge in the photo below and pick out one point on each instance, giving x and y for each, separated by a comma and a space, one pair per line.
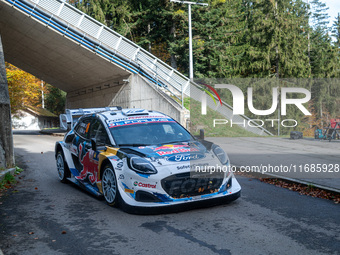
9, 180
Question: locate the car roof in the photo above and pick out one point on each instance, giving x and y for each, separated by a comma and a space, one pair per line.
132, 113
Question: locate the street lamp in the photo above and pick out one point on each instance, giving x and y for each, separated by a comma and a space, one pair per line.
191, 69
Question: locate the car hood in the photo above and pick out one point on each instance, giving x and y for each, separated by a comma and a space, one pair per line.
181, 152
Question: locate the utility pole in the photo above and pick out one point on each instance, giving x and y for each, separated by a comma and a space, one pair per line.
191, 68
42, 94
308, 35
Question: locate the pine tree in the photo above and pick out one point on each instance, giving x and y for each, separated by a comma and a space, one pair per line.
323, 56
219, 30
336, 31
277, 38
115, 14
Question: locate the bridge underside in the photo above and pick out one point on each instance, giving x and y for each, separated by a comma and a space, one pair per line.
50, 56
95, 65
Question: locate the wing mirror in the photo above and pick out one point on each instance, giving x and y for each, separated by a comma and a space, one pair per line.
94, 146
201, 135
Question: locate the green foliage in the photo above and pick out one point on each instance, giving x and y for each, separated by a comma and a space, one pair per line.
239, 38
7, 181
18, 170
55, 100
336, 32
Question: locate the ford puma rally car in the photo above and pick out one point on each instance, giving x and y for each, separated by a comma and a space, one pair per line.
143, 160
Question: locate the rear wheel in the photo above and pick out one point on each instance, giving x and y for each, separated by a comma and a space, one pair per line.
63, 171
109, 185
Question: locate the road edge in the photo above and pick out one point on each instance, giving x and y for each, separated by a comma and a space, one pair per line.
298, 181
3, 173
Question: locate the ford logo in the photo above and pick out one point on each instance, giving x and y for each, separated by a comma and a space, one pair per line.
185, 157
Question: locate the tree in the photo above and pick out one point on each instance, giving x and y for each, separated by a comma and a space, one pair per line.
24, 88
55, 100
113, 13
336, 31
277, 38
323, 56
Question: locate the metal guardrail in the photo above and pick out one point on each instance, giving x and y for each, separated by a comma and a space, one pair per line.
83, 29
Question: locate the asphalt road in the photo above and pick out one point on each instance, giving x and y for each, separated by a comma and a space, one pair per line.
265, 220
296, 156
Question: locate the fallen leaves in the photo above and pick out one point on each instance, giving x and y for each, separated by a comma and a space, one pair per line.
308, 190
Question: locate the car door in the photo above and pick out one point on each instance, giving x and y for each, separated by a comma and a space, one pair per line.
90, 158
81, 145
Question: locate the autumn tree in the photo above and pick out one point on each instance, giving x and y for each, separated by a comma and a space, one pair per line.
24, 88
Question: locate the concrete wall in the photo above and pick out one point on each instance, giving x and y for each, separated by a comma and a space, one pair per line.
99, 95
138, 93
6, 136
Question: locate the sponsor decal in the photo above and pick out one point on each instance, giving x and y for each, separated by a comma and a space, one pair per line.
192, 166
120, 165
144, 185
129, 191
132, 118
90, 166
183, 167
73, 149
183, 150
139, 121
169, 146
121, 177
185, 157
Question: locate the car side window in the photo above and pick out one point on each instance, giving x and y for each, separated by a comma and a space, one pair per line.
82, 127
98, 132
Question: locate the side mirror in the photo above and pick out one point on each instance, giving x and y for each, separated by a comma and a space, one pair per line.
69, 138
201, 134
93, 144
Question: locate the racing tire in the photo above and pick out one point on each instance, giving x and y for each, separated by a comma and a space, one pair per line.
63, 170
110, 186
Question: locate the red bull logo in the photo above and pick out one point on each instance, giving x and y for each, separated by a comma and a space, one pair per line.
170, 146
90, 166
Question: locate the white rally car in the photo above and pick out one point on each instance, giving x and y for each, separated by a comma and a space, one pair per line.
144, 161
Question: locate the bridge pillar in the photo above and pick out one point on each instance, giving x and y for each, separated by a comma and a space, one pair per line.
6, 136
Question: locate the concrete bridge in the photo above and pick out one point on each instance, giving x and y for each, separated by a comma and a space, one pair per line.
96, 66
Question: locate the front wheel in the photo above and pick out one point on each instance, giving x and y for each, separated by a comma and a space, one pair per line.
63, 171
109, 184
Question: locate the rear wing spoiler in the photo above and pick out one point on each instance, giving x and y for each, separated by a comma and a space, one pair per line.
70, 118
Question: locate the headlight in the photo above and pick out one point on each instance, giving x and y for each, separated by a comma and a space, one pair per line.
142, 166
220, 154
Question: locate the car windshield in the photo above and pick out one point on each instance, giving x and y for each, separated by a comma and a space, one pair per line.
143, 134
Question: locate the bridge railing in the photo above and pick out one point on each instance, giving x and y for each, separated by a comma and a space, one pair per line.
117, 43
